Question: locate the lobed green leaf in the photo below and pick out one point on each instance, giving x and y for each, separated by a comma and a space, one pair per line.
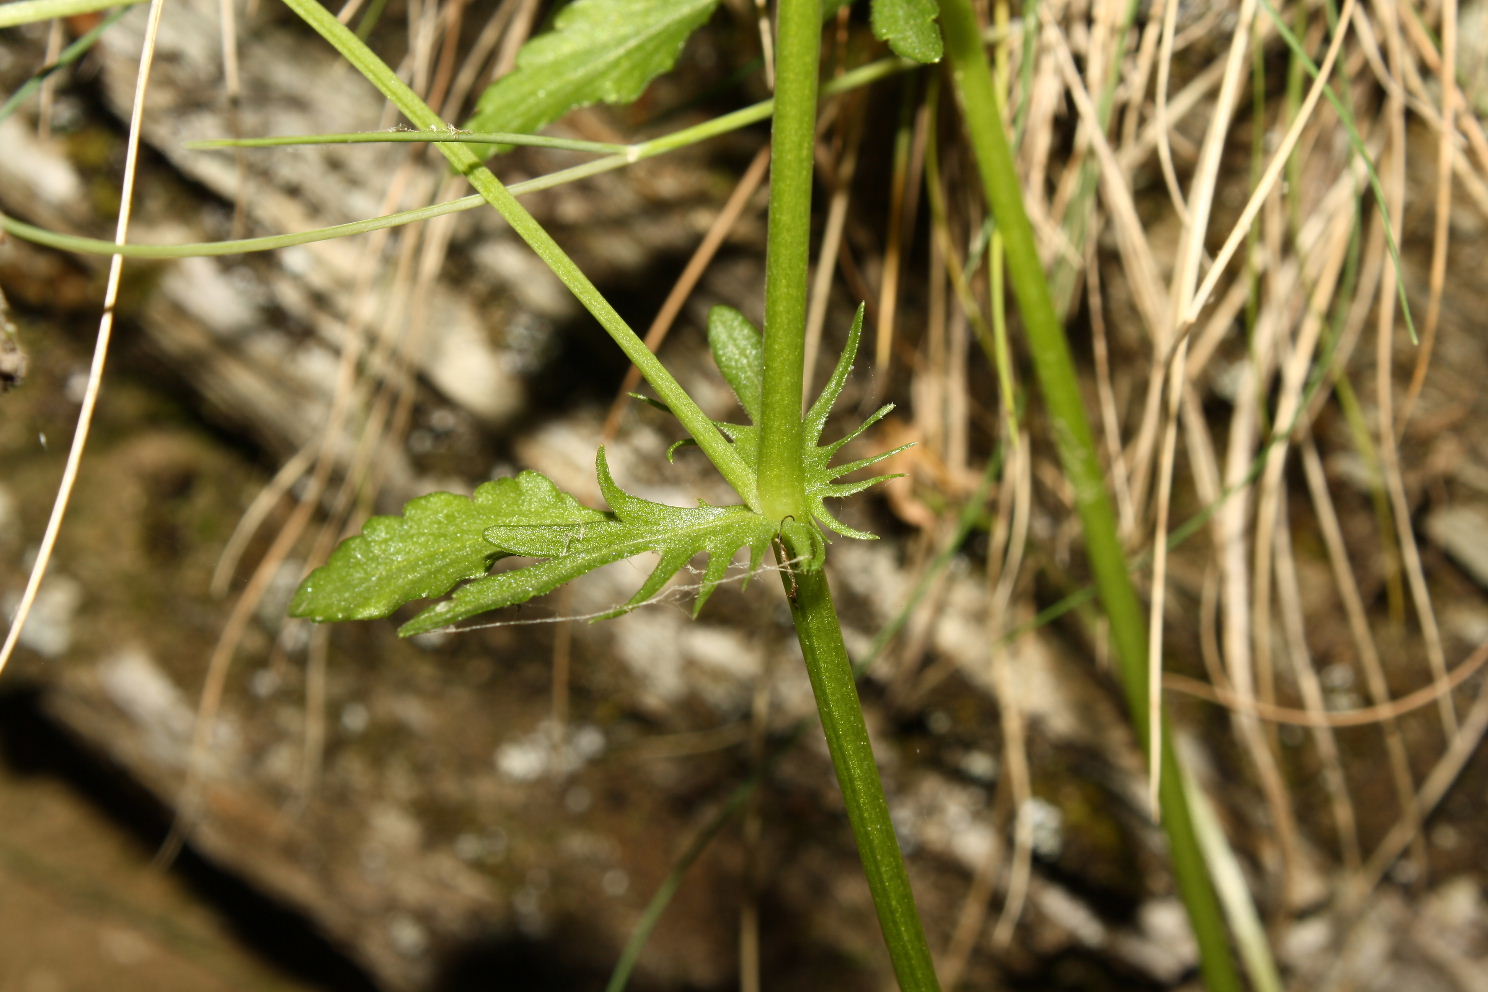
909, 27
442, 540
438, 542
599, 51
738, 349
678, 534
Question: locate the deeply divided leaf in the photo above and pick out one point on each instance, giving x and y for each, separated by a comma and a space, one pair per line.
909, 27
599, 51
442, 540
738, 348
437, 542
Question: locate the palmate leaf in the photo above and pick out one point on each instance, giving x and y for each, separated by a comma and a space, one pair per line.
443, 539
909, 27
599, 51
738, 350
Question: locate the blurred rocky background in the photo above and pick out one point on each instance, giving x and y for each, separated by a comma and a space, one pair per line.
201, 794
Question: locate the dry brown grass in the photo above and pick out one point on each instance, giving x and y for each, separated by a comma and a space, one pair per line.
1225, 266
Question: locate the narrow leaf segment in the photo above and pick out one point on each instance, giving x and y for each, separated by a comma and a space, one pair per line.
599, 51
738, 348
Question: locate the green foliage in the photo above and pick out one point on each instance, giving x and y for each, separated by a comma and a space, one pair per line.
909, 27
437, 542
443, 540
599, 51
738, 349
31, 11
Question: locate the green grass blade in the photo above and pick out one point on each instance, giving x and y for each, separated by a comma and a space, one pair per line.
713, 444
1055, 371
30, 11
379, 137
662, 898
683, 138
69, 55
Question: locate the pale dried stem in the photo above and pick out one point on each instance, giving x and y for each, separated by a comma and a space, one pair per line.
434, 251
1137, 258
1406, 832
1004, 564
1189, 99
1442, 224
1195, 301
753, 829
1160, 118
312, 751
345, 396
971, 920
100, 346
480, 52
1231, 539
1110, 417
46, 99
1294, 630
256, 514
1198, 202
1393, 177
850, 129
1357, 617
232, 92
1319, 717
516, 36
904, 198
1045, 100
1146, 61
1014, 723
1297, 361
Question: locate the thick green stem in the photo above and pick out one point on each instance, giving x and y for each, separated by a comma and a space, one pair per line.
782, 485
837, 702
782, 492
713, 444
1055, 370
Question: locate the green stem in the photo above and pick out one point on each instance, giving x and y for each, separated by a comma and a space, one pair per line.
1060, 386
782, 492
431, 137
753, 114
713, 444
841, 713
787, 254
